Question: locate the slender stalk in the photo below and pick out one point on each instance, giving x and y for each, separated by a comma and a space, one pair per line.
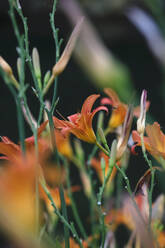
64, 212
112, 162
20, 125
150, 192
61, 217
73, 205
102, 148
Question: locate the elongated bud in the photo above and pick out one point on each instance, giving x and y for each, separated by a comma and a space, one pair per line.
86, 183
123, 138
113, 152
5, 66
79, 150
19, 66
36, 62
46, 77
36, 65
142, 118
63, 61
27, 115
103, 165
7, 69
102, 136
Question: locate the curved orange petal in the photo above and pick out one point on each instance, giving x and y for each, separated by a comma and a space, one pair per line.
88, 104
118, 116
156, 137
113, 96
10, 151
106, 101
136, 138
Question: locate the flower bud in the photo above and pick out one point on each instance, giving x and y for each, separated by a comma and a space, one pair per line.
123, 138
5, 66
63, 61
142, 118
36, 62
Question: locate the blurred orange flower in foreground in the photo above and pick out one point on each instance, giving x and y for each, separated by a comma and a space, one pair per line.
80, 124
17, 199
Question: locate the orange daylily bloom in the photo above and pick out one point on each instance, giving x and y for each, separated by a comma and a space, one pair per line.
154, 142
80, 124
119, 108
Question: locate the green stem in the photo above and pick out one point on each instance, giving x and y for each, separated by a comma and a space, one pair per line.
73, 205
128, 187
152, 179
61, 217
112, 162
64, 212
20, 125
102, 148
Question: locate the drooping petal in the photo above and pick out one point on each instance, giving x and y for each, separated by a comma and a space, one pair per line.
88, 104
156, 137
106, 101
113, 96
10, 150
136, 139
117, 116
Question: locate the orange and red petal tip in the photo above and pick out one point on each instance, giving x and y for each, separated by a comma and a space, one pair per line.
106, 101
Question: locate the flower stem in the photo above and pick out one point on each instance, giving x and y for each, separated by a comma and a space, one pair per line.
152, 179
102, 148
70, 226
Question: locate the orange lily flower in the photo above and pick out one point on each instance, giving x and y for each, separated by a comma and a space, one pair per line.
80, 124
154, 142
119, 108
